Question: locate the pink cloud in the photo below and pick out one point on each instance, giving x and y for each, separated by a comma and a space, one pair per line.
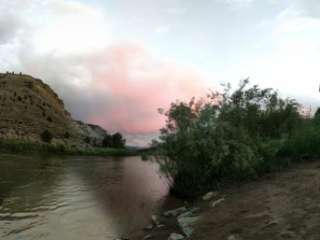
137, 85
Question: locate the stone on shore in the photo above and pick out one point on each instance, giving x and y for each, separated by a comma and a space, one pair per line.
149, 236
175, 236
175, 212
217, 202
194, 209
185, 214
234, 237
155, 220
149, 227
186, 223
209, 196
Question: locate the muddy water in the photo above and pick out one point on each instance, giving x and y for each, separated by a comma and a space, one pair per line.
77, 197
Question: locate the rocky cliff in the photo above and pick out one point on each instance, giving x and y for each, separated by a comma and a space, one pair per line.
90, 134
28, 107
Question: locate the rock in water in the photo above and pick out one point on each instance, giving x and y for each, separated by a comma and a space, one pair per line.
175, 236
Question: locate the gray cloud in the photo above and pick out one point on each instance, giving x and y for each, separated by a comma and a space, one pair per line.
9, 27
310, 8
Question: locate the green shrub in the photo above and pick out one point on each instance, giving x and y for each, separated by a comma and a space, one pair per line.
304, 143
227, 137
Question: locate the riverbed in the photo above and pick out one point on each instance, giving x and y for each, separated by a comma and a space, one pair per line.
54, 197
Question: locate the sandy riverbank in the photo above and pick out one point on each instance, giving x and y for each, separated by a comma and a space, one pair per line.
283, 205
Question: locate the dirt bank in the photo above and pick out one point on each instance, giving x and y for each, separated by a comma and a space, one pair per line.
283, 205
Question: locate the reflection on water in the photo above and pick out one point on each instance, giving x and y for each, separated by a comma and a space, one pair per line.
76, 197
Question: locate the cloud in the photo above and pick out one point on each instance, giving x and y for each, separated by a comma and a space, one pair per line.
117, 84
120, 87
236, 3
9, 27
290, 62
309, 8
138, 85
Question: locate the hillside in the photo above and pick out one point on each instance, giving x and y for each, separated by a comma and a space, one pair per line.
29, 107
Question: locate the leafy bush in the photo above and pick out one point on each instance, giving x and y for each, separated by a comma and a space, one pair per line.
226, 137
304, 143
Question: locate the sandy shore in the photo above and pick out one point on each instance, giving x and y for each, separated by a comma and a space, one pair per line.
283, 205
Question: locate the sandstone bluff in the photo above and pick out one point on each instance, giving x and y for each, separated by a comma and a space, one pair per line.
29, 107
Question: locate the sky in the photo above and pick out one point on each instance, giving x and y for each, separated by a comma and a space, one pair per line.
115, 62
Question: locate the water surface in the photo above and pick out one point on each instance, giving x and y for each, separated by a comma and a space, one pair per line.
77, 197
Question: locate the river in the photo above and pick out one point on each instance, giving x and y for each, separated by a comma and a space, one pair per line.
54, 197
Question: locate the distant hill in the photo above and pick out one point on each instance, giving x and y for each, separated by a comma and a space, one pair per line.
29, 107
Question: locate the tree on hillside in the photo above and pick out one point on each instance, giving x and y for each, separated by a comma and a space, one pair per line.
107, 141
118, 141
114, 141
46, 136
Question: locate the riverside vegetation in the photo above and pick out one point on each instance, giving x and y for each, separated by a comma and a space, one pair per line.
112, 145
22, 146
233, 136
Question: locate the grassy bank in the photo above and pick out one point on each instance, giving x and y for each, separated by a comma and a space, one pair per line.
21, 146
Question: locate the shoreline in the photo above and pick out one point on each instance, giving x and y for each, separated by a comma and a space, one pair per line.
279, 205
27, 147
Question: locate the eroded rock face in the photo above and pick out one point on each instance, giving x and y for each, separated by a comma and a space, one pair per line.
89, 133
28, 107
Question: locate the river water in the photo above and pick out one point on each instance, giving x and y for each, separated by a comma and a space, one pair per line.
77, 197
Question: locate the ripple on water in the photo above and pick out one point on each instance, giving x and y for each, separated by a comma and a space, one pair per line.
90, 198
17, 216
20, 229
52, 207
